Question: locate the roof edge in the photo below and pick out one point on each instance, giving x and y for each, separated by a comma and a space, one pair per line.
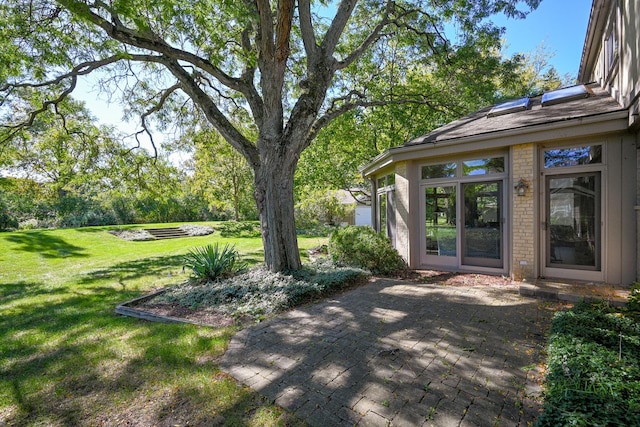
595, 29
386, 158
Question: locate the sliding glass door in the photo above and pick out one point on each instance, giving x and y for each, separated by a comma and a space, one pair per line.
482, 235
477, 239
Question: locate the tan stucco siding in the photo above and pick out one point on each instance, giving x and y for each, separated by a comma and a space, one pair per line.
523, 228
629, 79
619, 250
402, 211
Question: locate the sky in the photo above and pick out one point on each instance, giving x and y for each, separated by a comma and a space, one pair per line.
559, 24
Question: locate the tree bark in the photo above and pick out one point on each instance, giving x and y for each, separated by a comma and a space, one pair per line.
274, 199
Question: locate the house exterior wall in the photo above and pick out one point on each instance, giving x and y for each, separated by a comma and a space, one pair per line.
620, 74
617, 63
403, 201
619, 251
611, 57
523, 229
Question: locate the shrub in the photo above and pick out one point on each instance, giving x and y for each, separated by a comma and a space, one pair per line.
210, 262
29, 224
7, 220
237, 229
322, 207
633, 302
593, 371
362, 247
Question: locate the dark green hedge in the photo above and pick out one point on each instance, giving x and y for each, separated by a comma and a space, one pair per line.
593, 362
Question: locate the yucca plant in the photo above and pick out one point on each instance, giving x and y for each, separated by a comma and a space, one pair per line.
211, 263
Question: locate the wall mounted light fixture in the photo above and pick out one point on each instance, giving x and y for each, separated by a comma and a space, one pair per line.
521, 187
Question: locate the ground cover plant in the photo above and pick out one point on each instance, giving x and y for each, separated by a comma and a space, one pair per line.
593, 376
259, 292
67, 359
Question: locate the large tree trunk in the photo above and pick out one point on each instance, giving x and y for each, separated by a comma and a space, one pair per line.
274, 198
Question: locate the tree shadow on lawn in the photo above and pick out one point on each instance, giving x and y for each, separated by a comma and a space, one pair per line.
19, 290
106, 228
153, 266
131, 270
45, 244
68, 360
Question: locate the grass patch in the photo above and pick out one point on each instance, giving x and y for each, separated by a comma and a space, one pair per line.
593, 373
67, 359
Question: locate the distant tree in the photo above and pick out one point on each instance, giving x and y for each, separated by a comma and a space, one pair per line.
534, 75
221, 175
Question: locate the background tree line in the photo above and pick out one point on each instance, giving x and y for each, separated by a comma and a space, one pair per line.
66, 171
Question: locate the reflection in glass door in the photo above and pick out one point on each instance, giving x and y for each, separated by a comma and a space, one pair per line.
482, 233
440, 221
573, 221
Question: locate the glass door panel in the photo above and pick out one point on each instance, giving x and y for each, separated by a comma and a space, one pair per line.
573, 221
440, 221
482, 233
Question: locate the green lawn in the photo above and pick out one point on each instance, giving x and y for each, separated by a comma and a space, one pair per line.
67, 359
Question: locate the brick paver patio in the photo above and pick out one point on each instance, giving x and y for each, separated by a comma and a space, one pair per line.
401, 353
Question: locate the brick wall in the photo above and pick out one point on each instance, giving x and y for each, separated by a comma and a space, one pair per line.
524, 240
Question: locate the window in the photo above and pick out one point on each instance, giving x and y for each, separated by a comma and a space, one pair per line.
473, 167
611, 45
575, 156
386, 211
382, 213
386, 180
444, 170
483, 166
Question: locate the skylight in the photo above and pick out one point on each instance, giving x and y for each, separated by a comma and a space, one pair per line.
565, 95
509, 107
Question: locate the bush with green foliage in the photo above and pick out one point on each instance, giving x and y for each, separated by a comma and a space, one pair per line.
362, 247
593, 369
321, 207
633, 303
239, 229
211, 262
7, 219
259, 292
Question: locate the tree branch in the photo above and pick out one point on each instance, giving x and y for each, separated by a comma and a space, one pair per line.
371, 39
211, 111
150, 41
78, 70
283, 30
332, 36
306, 28
361, 101
143, 118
